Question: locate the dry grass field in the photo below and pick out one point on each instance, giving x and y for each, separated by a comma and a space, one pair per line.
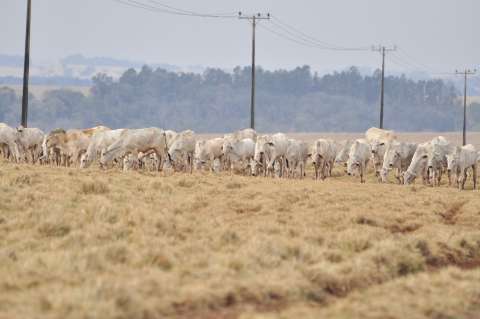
107, 244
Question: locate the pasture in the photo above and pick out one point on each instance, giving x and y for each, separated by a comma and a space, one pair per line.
108, 244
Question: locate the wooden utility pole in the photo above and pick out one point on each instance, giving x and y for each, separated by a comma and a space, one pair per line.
26, 67
382, 50
465, 73
254, 19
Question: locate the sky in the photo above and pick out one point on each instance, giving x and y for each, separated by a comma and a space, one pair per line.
438, 34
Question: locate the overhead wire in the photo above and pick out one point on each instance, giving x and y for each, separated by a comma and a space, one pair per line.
409, 63
157, 6
300, 35
305, 42
189, 11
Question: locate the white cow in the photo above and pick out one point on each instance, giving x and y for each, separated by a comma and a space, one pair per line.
268, 150
296, 158
207, 152
378, 139
29, 141
235, 137
398, 155
134, 141
69, 144
342, 152
99, 142
180, 152
8, 143
358, 159
323, 153
239, 153
459, 161
437, 159
419, 164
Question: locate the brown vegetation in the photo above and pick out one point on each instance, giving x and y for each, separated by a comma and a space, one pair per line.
107, 244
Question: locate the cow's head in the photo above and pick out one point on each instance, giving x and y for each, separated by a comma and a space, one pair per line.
353, 167
409, 177
452, 162
391, 158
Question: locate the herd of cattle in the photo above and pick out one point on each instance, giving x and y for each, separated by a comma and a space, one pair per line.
243, 152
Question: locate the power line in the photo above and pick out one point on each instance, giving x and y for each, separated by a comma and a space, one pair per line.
308, 38
163, 8
186, 11
413, 61
409, 63
306, 43
288, 37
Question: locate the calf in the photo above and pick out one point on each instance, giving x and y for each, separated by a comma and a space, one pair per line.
398, 156
323, 154
459, 161
358, 159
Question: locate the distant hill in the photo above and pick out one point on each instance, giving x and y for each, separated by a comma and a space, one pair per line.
76, 67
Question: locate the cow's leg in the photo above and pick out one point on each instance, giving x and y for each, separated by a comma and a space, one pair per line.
474, 176
159, 162
401, 179
136, 161
190, 162
361, 174
463, 179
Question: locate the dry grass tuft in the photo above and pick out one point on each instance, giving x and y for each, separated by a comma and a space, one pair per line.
48, 229
186, 183
451, 212
234, 185
362, 220
22, 180
403, 228
96, 188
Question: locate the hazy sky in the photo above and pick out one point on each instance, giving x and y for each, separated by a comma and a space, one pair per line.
440, 33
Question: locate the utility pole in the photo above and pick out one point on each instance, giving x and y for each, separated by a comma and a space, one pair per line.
254, 19
382, 50
465, 73
26, 67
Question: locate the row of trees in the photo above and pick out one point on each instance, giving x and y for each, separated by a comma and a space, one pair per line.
218, 101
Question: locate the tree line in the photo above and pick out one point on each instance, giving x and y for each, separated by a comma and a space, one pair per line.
219, 101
